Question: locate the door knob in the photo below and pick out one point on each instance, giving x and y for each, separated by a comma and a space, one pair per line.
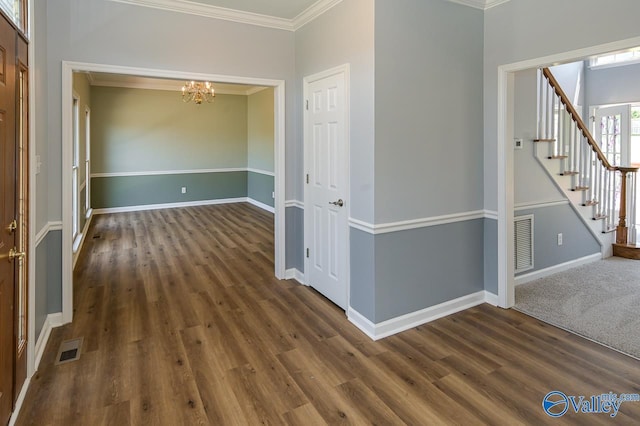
338, 203
13, 254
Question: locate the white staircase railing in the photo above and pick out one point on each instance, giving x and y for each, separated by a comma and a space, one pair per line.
609, 190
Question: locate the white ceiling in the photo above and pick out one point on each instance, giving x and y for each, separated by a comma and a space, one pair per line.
136, 82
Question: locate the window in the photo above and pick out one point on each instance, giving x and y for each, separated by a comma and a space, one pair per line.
626, 57
635, 135
16, 10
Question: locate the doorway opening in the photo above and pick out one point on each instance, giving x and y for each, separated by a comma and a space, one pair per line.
69, 68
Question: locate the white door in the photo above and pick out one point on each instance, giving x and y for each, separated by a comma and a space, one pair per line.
611, 129
326, 185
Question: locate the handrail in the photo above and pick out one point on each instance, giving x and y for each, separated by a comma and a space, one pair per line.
576, 117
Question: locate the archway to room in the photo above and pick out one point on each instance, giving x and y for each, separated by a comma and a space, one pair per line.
249, 182
512, 206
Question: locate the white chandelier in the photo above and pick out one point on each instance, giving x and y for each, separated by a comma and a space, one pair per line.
197, 92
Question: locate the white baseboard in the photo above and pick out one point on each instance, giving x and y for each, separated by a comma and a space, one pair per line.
414, 319
52, 321
261, 205
83, 237
169, 205
490, 298
294, 274
522, 279
23, 393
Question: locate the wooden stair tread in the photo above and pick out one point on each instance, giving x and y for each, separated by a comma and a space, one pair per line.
599, 217
558, 157
544, 140
591, 203
581, 188
569, 173
628, 251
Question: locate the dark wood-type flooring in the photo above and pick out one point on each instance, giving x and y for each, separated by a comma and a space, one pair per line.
183, 324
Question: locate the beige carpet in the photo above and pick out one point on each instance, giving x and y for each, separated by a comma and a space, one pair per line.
600, 301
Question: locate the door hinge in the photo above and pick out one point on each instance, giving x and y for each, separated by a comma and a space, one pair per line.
307, 253
307, 177
307, 105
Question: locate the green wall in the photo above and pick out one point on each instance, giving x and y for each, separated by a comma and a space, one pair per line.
260, 130
135, 131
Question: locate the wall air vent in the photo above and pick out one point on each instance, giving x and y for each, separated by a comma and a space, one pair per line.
523, 243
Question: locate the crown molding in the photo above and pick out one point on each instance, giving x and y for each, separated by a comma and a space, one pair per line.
208, 11
480, 4
312, 12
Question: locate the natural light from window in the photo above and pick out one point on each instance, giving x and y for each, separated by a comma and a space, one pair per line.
618, 58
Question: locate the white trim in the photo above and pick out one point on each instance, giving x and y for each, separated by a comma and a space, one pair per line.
294, 203
260, 172
480, 4
414, 319
491, 214
209, 11
490, 298
169, 172
522, 279
42, 234
52, 321
385, 228
294, 274
18, 406
506, 285
83, 237
540, 205
145, 207
279, 156
216, 12
261, 205
312, 12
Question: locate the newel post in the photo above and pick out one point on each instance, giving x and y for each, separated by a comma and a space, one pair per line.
622, 232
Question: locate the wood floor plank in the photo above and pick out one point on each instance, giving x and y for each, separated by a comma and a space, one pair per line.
184, 324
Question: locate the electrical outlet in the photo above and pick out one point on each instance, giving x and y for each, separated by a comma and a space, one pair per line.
273, 195
560, 239
184, 189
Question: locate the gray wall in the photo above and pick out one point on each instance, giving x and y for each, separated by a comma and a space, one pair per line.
295, 246
577, 241
428, 116
421, 268
48, 290
125, 191
613, 85
342, 35
531, 183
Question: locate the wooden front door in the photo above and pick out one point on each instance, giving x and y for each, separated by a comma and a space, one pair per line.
13, 215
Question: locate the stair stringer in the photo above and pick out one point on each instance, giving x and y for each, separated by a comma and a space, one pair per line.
585, 213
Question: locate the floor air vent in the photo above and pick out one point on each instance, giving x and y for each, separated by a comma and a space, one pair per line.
523, 243
69, 351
